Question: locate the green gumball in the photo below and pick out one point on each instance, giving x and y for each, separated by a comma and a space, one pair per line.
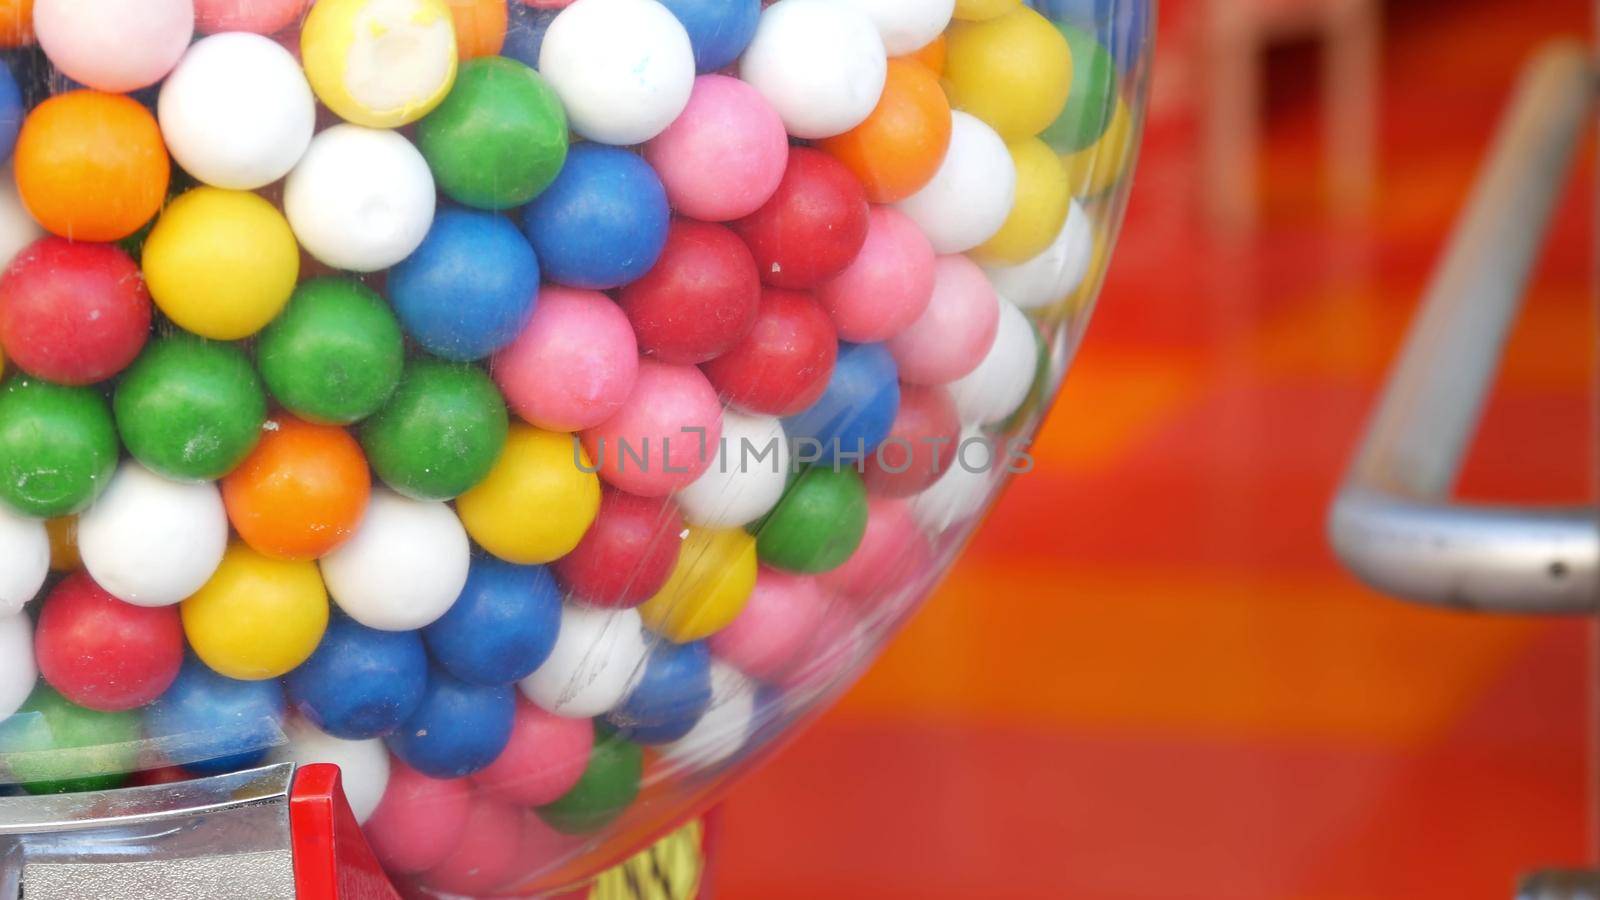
58, 447
440, 432
190, 409
499, 137
53, 746
818, 524
1093, 98
334, 354
608, 786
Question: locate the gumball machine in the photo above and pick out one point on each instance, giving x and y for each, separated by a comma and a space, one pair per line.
445, 443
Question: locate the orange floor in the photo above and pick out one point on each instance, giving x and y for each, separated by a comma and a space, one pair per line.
1148, 679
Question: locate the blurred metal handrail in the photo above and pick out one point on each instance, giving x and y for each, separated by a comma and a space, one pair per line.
1392, 523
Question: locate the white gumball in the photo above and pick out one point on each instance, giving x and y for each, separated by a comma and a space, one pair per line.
907, 25
999, 385
360, 198
745, 480
24, 560
113, 45
623, 68
237, 111
18, 229
598, 656
1056, 272
403, 568
727, 725
150, 541
820, 63
17, 669
972, 470
970, 196
363, 765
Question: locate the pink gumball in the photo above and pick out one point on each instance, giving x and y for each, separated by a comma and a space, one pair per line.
889, 284
835, 647
574, 363
663, 436
955, 332
487, 853
545, 758
892, 554
543, 848
419, 820
114, 45
257, 16
775, 626
725, 153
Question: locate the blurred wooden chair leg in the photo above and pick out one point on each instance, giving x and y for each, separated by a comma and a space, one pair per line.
1232, 120
1350, 73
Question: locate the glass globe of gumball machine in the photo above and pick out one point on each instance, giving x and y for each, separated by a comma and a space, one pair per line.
531, 408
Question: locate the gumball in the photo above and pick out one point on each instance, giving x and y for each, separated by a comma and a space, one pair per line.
102, 653
457, 729
893, 552
998, 386
817, 524
335, 353
24, 561
211, 724
727, 724
1094, 169
190, 409
820, 63
152, 542
1013, 71
301, 492
627, 553
256, 16
73, 313
573, 364
257, 618
221, 263
608, 786
11, 111
525, 30
699, 300
469, 289
538, 500
63, 533
114, 47
836, 649
405, 565
980, 10
898, 148
17, 227
746, 476
972, 193
544, 759
91, 166
855, 413
718, 30
889, 283
1043, 199
499, 138
485, 856
1053, 274
670, 697
379, 63
725, 154
623, 68
907, 25
439, 433
501, 627
659, 440
17, 669
930, 55
776, 624
957, 329
58, 447
974, 470
1092, 100
54, 746
480, 27
419, 821
597, 656
237, 112
603, 221
16, 23
715, 573
361, 682
360, 198
813, 226
782, 364
920, 442
363, 765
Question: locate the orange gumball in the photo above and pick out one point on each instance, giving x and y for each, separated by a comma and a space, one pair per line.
480, 26
901, 144
301, 492
91, 166
16, 23
931, 55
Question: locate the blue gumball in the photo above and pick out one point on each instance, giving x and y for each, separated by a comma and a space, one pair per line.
854, 414
11, 111
469, 288
671, 695
602, 222
1119, 25
525, 28
361, 682
503, 625
719, 30
457, 729
210, 723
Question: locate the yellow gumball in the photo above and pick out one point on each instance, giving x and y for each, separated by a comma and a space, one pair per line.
714, 575
1099, 166
257, 617
978, 10
1013, 71
537, 501
221, 263
379, 63
64, 544
1043, 197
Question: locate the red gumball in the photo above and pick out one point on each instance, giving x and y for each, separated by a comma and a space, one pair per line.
627, 554
782, 366
419, 821
700, 297
813, 227
102, 653
73, 313
921, 444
